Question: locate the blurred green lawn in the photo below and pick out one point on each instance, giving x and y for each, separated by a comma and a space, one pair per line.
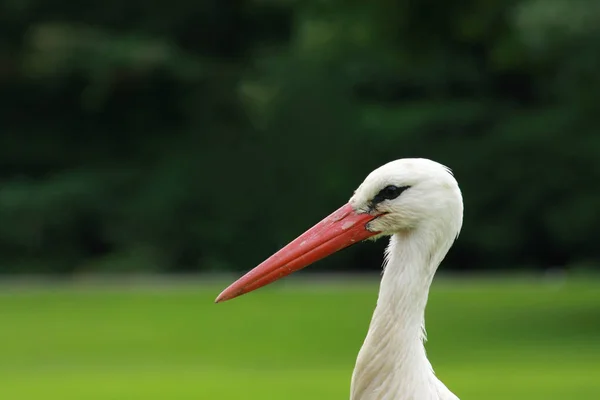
487, 340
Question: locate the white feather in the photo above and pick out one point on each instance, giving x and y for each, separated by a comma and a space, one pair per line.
423, 222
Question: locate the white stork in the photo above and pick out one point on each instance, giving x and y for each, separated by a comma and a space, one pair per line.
419, 204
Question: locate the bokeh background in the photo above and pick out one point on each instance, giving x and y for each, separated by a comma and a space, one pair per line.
152, 152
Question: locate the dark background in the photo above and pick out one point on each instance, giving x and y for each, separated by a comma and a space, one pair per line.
202, 136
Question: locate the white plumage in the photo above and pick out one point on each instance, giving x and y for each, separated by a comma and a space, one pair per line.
419, 204
423, 223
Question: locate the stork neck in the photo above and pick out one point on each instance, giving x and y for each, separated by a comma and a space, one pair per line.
392, 364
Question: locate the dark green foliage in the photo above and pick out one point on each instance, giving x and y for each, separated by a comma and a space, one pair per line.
205, 136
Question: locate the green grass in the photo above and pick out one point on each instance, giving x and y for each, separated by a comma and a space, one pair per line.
487, 340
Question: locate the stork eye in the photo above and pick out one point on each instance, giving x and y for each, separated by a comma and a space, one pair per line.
389, 193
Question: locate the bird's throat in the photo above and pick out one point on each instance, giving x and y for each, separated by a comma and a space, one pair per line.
392, 364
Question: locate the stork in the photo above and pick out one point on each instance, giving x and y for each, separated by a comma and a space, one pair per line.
417, 202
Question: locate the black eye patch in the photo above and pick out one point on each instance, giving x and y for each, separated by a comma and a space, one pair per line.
388, 193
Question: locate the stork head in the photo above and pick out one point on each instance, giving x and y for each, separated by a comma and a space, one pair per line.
409, 194
402, 196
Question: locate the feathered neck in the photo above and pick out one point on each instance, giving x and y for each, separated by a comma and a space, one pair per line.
392, 363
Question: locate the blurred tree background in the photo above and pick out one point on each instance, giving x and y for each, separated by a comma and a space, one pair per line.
202, 136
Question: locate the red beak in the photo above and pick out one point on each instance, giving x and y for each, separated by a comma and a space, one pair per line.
339, 230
